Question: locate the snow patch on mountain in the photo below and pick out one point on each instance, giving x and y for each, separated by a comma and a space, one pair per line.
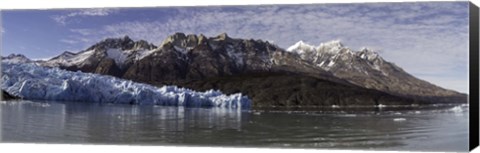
79, 59
69, 59
140, 54
181, 49
34, 82
82, 57
368, 54
334, 46
331, 63
236, 55
117, 55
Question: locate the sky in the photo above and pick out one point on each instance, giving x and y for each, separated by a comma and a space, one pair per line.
427, 39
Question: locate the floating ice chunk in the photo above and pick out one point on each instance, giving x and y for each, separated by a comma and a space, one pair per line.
399, 119
33, 82
457, 109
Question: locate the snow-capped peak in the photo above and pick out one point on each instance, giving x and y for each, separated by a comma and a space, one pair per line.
64, 55
16, 58
124, 43
334, 46
331, 53
306, 50
223, 36
301, 47
121, 50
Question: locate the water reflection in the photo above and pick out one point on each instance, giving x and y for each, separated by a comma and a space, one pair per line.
107, 123
429, 130
28, 120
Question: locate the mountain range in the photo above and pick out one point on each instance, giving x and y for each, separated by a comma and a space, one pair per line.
301, 75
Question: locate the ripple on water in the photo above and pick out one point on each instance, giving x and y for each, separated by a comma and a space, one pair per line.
90, 123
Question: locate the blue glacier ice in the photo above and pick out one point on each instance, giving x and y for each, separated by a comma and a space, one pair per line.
33, 82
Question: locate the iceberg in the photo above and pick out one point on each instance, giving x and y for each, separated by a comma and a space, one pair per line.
33, 82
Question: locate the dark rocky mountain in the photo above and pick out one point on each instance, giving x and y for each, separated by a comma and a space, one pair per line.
266, 73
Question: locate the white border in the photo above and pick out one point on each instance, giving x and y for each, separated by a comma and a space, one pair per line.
74, 148
48, 4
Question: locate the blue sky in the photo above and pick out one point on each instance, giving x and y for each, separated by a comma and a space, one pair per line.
427, 39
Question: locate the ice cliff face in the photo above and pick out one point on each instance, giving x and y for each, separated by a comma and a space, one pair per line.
39, 83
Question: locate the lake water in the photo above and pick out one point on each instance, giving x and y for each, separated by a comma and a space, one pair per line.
422, 129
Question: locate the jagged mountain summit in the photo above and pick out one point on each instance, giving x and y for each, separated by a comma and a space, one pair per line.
106, 57
180, 56
302, 75
368, 69
16, 58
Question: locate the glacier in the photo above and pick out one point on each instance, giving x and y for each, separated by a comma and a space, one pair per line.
33, 82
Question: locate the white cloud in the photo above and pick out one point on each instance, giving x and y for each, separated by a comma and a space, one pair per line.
423, 38
83, 32
63, 19
69, 41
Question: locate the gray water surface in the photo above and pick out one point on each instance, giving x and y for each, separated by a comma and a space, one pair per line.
442, 129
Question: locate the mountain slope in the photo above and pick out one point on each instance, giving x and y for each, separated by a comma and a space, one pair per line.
110, 56
192, 57
368, 69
